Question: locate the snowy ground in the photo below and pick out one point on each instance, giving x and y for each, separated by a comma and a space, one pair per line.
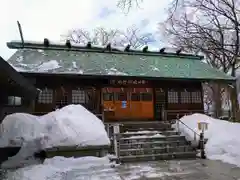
90, 168
223, 137
74, 125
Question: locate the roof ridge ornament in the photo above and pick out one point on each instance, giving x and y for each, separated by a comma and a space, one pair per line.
68, 44
46, 42
107, 49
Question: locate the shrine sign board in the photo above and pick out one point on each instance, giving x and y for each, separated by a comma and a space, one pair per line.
128, 82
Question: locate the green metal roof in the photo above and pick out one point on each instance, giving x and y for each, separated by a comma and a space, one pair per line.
118, 63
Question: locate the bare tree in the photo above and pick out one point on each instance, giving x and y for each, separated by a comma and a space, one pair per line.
126, 5
134, 37
210, 27
102, 36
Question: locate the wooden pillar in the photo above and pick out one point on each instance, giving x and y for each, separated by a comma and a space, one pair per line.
234, 102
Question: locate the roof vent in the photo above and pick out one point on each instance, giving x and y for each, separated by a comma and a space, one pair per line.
127, 48
179, 51
46, 42
68, 44
162, 50
89, 45
145, 49
108, 47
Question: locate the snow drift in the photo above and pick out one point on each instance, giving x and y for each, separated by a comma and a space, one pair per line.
223, 141
72, 125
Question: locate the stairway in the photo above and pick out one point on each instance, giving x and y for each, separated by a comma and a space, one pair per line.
152, 141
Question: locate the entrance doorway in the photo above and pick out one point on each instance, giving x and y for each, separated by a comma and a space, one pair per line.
160, 104
62, 98
128, 103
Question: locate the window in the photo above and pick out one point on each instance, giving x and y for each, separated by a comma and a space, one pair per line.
108, 96
196, 97
78, 96
185, 97
135, 97
172, 97
121, 96
146, 96
14, 101
45, 96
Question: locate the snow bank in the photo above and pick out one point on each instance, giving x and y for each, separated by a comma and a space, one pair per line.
223, 141
71, 125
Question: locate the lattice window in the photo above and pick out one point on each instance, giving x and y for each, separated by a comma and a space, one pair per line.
135, 96
146, 96
14, 101
196, 97
172, 97
121, 96
185, 97
45, 96
108, 96
78, 96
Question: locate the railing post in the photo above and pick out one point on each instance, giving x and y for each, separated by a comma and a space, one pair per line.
178, 128
108, 129
116, 132
201, 144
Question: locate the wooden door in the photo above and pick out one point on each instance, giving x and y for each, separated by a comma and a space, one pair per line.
62, 97
135, 105
122, 104
147, 103
160, 104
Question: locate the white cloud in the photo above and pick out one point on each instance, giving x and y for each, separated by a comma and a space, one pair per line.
51, 18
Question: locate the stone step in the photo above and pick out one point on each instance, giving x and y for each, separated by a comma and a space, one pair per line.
161, 156
161, 126
153, 144
147, 124
135, 129
148, 133
154, 150
151, 138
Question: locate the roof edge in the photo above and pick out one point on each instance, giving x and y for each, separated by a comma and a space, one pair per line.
19, 79
232, 79
114, 50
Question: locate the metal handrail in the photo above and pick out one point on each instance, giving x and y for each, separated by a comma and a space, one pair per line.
195, 133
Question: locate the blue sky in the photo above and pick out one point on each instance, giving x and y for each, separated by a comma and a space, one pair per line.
52, 18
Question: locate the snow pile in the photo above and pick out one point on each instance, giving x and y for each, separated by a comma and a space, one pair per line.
223, 141
71, 125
